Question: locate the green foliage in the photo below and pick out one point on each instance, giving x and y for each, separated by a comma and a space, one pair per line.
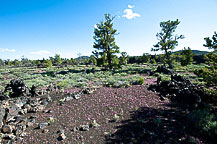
115, 62
51, 120
123, 58
187, 56
153, 61
93, 60
63, 83
16, 62
204, 120
118, 81
167, 40
47, 64
146, 58
211, 43
209, 73
139, 81
104, 44
56, 60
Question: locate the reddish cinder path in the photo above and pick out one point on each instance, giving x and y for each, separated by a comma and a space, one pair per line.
102, 105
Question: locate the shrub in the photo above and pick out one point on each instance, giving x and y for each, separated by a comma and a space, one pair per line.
141, 81
137, 80
47, 64
187, 57
204, 120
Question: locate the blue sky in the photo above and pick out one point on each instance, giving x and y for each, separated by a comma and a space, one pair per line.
42, 28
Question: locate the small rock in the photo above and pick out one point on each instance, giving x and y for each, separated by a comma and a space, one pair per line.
76, 96
11, 142
3, 97
107, 134
29, 124
2, 114
32, 120
19, 139
62, 135
49, 111
7, 129
32, 117
84, 127
23, 111
19, 130
60, 131
40, 108
94, 124
9, 136
61, 103
69, 98
45, 131
42, 125
75, 129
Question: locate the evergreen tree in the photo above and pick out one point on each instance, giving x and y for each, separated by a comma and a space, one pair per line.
209, 73
47, 63
186, 56
146, 58
57, 59
106, 48
167, 40
93, 60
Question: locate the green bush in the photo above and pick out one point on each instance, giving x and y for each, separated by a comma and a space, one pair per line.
48, 64
204, 120
141, 81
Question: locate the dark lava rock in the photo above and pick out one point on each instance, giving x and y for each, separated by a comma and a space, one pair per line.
84, 127
163, 69
76, 96
179, 89
3, 97
17, 87
7, 129
87, 91
75, 129
61, 136
34, 91
13, 113
9, 136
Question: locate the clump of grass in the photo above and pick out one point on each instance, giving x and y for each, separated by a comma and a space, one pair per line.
51, 120
116, 117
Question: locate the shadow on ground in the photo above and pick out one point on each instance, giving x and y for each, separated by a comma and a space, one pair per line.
149, 125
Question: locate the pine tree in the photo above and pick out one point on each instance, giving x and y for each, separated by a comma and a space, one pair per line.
106, 48
186, 56
209, 73
167, 40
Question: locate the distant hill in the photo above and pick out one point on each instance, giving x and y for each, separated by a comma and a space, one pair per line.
196, 52
83, 57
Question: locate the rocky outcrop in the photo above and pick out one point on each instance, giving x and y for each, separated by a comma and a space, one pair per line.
179, 89
163, 69
17, 88
12, 120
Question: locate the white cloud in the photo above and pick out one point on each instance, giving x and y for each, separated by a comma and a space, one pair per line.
41, 52
6, 50
131, 6
129, 14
